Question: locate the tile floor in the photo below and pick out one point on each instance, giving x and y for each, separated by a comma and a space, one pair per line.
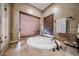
22, 49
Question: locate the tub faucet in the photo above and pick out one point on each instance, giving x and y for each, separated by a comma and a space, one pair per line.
57, 45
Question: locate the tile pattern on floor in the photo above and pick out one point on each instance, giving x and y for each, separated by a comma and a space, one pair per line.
22, 49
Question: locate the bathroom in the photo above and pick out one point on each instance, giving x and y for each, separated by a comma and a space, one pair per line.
55, 23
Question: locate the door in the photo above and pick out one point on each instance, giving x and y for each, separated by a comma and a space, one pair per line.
29, 25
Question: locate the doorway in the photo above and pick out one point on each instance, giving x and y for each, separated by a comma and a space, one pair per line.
29, 25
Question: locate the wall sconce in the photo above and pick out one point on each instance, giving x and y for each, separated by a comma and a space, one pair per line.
5, 9
71, 18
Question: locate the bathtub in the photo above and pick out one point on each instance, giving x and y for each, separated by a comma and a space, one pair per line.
42, 42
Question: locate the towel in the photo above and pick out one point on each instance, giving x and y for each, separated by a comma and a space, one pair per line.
61, 25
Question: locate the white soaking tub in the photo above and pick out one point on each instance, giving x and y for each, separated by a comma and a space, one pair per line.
42, 42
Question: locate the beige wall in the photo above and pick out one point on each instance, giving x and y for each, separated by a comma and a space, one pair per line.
0, 30
24, 8
27, 9
0, 23
62, 10
5, 17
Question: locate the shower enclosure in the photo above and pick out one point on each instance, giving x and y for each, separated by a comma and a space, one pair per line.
48, 25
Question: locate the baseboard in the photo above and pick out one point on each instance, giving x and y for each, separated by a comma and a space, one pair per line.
14, 41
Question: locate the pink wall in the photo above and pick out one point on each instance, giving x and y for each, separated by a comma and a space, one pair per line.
29, 25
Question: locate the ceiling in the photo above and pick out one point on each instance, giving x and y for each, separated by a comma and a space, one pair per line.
41, 6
